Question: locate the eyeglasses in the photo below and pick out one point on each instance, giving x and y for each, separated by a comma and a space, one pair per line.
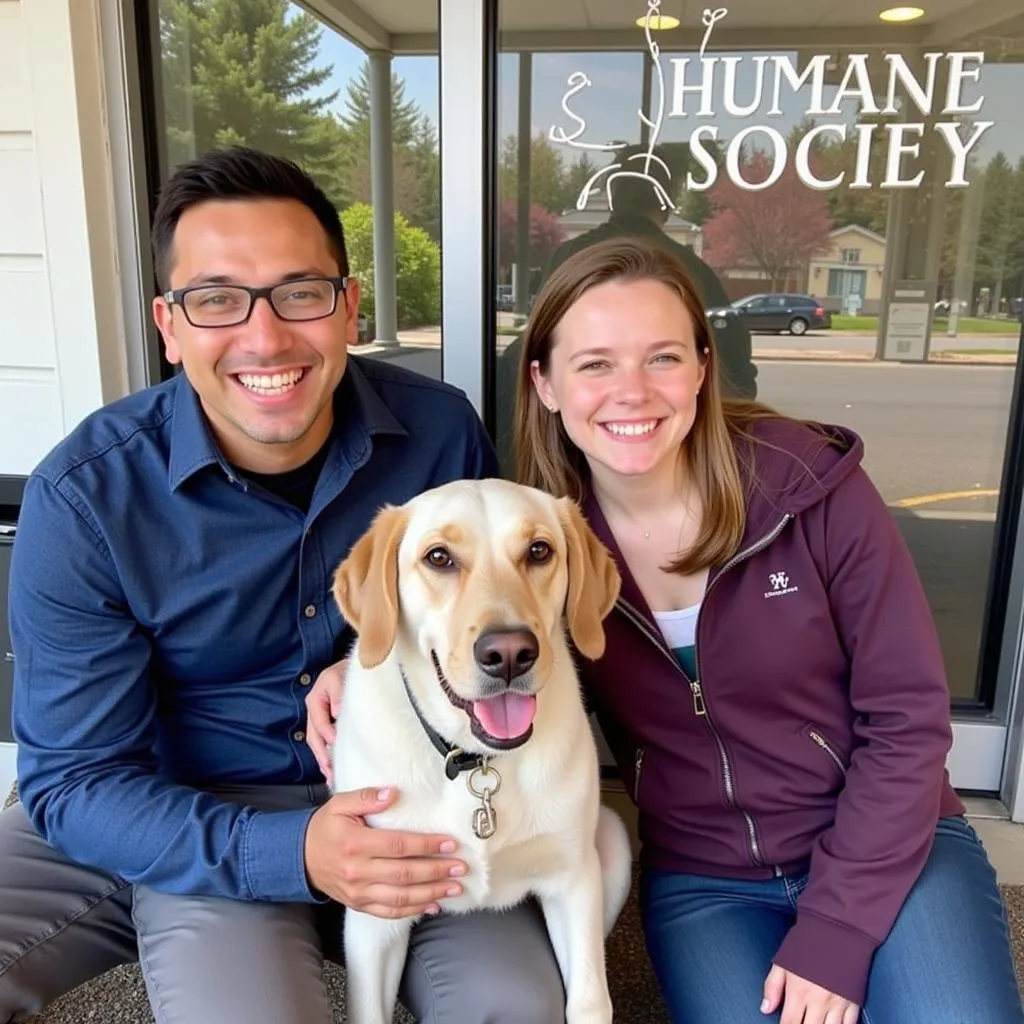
228, 305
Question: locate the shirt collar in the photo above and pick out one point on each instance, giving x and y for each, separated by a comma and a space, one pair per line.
359, 414
192, 444
357, 405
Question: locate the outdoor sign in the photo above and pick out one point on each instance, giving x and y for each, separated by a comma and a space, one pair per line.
908, 323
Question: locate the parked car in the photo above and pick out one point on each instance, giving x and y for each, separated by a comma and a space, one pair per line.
797, 314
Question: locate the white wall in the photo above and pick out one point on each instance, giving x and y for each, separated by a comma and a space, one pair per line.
62, 349
62, 340
8, 753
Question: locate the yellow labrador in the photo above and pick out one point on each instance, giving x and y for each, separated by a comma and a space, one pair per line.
461, 690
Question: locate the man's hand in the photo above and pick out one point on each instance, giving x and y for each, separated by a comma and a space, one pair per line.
803, 1002
322, 703
375, 870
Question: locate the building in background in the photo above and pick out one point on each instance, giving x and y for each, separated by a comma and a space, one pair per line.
849, 277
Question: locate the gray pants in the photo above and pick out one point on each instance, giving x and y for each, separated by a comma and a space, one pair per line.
208, 959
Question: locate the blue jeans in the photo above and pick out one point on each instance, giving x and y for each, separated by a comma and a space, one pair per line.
947, 959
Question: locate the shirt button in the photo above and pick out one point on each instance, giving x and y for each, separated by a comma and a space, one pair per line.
298, 735
305, 679
310, 611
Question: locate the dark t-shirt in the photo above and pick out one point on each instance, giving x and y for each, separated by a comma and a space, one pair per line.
295, 486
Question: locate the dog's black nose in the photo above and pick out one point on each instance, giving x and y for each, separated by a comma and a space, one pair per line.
506, 653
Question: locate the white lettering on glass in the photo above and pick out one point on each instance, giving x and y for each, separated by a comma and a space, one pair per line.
696, 83
640, 163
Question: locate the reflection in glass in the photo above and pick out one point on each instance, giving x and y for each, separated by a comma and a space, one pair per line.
268, 74
859, 218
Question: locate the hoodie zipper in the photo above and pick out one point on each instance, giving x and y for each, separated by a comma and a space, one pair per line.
699, 704
638, 766
817, 737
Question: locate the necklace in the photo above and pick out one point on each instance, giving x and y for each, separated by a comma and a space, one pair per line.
648, 532
616, 513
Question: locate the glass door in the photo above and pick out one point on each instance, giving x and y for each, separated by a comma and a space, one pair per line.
883, 189
334, 93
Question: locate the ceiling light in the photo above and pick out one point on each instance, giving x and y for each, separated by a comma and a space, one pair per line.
901, 14
659, 22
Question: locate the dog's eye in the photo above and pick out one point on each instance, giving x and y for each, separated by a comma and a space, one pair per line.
438, 558
540, 552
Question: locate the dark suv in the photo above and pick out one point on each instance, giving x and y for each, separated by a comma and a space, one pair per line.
794, 313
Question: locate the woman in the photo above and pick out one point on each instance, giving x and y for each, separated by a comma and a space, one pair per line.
772, 689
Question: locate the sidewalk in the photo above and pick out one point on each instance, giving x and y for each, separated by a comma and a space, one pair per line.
822, 346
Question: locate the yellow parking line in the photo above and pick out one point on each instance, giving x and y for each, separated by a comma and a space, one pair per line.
928, 499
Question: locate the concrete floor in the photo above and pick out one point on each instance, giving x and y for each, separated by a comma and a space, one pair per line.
1004, 843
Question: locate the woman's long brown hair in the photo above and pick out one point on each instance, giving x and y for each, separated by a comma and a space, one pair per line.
547, 459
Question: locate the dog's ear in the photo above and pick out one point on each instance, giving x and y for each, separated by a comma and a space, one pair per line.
366, 585
594, 582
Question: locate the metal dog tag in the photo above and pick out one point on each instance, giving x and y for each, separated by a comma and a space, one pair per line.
485, 819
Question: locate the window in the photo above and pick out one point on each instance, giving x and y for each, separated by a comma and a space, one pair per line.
960, 243
847, 282
273, 76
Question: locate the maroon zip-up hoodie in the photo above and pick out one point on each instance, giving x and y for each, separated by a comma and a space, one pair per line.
815, 738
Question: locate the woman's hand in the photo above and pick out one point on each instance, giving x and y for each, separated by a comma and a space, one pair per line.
322, 703
803, 1002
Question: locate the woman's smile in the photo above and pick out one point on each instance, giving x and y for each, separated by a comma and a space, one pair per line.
632, 431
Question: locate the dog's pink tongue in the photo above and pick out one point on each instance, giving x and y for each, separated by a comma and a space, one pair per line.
506, 717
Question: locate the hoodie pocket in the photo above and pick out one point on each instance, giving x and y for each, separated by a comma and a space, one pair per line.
819, 739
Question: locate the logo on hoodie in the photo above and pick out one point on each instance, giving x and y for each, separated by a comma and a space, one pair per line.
780, 585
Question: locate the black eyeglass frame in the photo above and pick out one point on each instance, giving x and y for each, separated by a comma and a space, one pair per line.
177, 298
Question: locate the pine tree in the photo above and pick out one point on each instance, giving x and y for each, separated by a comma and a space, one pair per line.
868, 207
1015, 249
245, 72
580, 171
549, 185
415, 158
997, 226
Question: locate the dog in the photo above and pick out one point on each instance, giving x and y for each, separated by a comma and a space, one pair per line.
461, 690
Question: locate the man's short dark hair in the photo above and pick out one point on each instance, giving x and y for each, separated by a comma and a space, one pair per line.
238, 173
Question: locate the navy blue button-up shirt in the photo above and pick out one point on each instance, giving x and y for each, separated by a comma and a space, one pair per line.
167, 616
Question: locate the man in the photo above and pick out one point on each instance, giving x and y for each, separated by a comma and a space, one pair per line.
636, 212
170, 607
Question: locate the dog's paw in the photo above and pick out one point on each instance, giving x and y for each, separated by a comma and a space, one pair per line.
596, 1009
